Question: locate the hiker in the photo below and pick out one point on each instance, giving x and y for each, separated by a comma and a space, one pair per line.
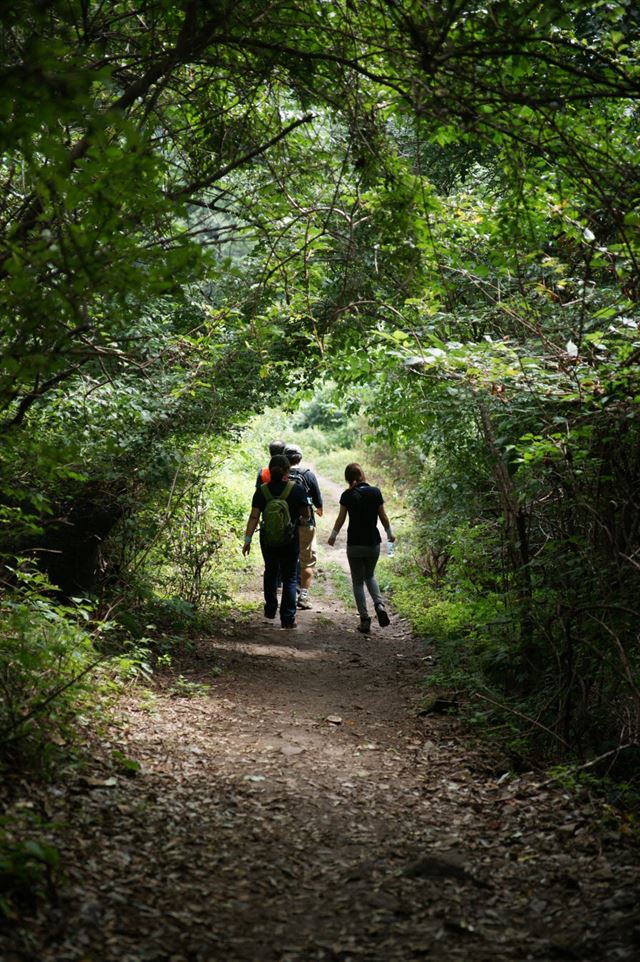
275, 447
308, 553
364, 505
282, 503
264, 476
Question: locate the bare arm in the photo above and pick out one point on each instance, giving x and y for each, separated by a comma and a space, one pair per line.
252, 524
316, 496
342, 514
386, 524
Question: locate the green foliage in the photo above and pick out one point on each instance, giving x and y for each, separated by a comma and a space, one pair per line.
45, 663
470, 631
334, 412
29, 866
127, 766
178, 557
595, 781
185, 688
207, 522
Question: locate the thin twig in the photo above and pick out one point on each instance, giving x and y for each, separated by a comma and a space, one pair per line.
590, 764
8, 732
519, 714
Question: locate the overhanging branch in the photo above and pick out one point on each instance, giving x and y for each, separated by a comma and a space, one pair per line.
210, 180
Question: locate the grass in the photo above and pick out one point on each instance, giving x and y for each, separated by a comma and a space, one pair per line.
184, 688
341, 582
324, 620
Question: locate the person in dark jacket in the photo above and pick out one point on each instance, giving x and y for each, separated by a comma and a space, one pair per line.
283, 559
364, 505
308, 546
275, 447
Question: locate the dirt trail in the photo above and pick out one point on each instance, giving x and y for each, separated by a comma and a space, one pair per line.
303, 811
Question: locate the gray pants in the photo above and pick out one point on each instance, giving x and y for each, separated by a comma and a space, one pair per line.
362, 562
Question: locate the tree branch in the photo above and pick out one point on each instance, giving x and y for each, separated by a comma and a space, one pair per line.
205, 182
34, 395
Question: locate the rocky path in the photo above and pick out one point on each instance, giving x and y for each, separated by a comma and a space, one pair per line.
301, 809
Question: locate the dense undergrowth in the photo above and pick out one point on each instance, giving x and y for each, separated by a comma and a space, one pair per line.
451, 580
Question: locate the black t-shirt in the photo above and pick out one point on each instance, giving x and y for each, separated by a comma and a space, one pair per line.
362, 503
297, 500
308, 481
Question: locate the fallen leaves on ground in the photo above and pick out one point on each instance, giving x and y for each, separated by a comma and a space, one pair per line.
302, 810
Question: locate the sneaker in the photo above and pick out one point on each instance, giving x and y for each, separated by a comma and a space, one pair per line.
382, 616
303, 600
289, 624
269, 614
365, 625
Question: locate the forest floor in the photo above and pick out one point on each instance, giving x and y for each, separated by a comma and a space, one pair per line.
300, 808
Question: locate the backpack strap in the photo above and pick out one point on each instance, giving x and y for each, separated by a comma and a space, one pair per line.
300, 474
284, 494
288, 488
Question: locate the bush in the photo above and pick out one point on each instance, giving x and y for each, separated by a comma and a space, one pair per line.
45, 661
467, 629
209, 517
29, 866
333, 415
172, 557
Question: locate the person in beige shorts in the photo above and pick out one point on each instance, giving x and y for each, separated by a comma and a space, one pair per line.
307, 529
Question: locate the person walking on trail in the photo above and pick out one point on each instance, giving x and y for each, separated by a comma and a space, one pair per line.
308, 545
364, 505
275, 447
282, 504
264, 475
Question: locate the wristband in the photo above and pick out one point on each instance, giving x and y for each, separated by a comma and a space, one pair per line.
334, 534
247, 539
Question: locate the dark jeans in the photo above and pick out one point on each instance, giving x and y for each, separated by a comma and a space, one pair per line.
280, 562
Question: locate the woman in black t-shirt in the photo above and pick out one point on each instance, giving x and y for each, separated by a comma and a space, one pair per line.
364, 505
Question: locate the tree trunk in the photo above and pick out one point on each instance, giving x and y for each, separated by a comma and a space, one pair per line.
515, 524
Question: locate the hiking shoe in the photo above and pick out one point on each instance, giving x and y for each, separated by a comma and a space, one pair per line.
382, 616
303, 600
365, 625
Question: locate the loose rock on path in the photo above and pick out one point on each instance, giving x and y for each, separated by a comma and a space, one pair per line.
303, 810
